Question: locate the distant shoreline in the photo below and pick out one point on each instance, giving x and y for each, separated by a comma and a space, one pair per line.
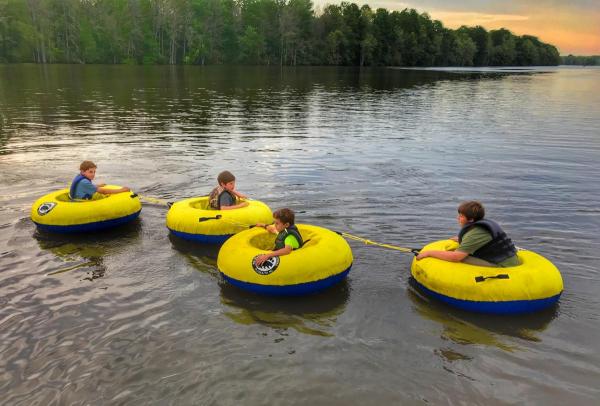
266, 32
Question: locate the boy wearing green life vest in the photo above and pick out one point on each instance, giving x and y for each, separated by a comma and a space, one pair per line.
288, 236
224, 196
481, 241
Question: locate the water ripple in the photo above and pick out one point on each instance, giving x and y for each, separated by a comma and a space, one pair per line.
132, 316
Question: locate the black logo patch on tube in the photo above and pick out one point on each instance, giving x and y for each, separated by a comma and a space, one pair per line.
45, 208
267, 267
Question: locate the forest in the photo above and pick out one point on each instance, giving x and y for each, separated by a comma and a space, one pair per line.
593, 60
256, 32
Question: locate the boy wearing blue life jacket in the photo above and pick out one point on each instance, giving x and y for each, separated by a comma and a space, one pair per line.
481, 242
82, 187
223, 197
288, 236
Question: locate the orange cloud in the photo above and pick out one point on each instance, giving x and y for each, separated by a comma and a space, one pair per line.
455, 19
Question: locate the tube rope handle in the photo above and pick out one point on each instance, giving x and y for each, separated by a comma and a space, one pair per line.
217, 217
484, 278
220, 217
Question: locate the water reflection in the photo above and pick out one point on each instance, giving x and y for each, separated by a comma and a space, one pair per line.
202, 257
367, 151
201, 102
86, 252
314, 314
3, 133
472, 328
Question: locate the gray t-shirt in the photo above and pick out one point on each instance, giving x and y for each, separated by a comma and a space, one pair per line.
226, 199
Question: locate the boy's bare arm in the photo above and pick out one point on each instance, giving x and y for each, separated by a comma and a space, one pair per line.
239, 194
452, 256
270, 228
235, 206
107, 191
282, 251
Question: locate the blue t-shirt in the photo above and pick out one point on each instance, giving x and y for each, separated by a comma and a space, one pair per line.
84, 187
226, 199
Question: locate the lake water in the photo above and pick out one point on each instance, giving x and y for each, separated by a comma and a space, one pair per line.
134, 316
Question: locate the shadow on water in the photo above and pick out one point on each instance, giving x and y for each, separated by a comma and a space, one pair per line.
467, 328
86, 252
313, 314
202, 257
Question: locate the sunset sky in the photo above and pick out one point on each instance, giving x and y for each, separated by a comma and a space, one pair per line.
572, 26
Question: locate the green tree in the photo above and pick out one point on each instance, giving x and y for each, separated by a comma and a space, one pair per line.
465, 50
252, 46
503, 51
336, 43
481, 39
383, 33
527, 51
296, 25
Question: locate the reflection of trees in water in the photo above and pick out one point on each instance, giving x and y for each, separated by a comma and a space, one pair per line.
313, 314
3, 134
467, 328
195, 102
86, 252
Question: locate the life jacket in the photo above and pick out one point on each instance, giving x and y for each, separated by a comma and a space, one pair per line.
74, 184
280, 240
215, 195
498, 249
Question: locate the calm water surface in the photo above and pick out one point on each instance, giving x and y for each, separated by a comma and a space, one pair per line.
133, 316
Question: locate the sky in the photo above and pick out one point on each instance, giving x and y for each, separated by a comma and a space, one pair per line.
573, 26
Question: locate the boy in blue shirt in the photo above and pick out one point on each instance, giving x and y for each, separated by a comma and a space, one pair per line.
82, 187
288, 235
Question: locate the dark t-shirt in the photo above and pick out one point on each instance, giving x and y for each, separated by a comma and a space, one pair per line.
476, 238
226, 199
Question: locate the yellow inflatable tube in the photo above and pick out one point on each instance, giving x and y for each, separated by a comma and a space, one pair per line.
56, 212
531, 286
191, 219
323, 260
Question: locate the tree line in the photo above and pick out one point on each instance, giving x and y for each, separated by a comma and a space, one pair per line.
261, 32
581, 60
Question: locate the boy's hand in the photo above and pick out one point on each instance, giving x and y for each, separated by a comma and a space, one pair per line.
422, 255
101, 184
241, 195
261, 259
244, 204
263, 225
455, 238
126, 189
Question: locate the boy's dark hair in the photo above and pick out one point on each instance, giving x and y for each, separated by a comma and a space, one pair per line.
472, 210
85, 165
225, 177
285, 216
